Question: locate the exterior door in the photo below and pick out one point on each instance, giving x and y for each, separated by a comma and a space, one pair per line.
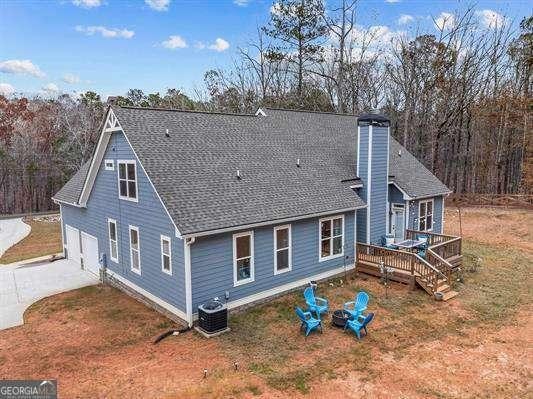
398, 222
89, 245
73, 244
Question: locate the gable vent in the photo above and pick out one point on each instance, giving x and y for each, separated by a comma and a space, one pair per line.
298, 162
238, 174
167, 134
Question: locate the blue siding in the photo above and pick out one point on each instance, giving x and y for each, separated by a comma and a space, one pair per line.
147, 214
212, 260
395, 195
376, 170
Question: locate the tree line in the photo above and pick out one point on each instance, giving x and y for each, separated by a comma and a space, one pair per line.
458, 95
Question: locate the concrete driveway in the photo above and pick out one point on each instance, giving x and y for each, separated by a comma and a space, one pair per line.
22, 285
11, 232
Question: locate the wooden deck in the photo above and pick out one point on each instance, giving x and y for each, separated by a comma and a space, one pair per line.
432, 273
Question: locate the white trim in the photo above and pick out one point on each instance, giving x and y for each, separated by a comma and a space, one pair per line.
260, 112
130, 228
356, 186
396, 206
66, 203
109, 221
358, 149
442, 217
99, 153
276, 249
127, 180
426, 215
369, 184
188, 279
63, 243
270, 222
387, 186
407, 215
354, 236
166, 238
150, 296
325, 258
251, 278
286, 287
109, 161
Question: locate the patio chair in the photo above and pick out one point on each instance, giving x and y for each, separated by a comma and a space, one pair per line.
308, 321
356, 325
314, 303
424, 238
422, 252
384, 243
359, 305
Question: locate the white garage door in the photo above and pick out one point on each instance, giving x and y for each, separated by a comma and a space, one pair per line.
89, 245
73, 243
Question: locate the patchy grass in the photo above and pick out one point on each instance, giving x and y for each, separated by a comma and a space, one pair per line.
44, 239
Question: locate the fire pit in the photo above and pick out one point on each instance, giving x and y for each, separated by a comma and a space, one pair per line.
339, 317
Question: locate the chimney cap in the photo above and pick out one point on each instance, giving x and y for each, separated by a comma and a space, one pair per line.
373, 119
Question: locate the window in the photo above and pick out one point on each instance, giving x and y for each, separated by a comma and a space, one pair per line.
166, 256
331, 237
135, 250
113, 240
282, 249
127, 180
425, 215
109, 164
243, 258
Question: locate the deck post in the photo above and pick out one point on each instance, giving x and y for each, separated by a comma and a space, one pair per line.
412, 282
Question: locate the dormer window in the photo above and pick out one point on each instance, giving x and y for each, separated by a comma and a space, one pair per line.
127, 180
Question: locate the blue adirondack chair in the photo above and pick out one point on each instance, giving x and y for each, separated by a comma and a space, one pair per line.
358, 324
425, 239
314, 303
422, 253
359, 305
308, 321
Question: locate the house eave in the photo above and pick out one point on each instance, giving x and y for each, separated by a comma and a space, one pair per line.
268, 222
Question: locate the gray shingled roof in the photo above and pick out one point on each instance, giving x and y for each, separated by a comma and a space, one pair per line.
71, 191
194, 170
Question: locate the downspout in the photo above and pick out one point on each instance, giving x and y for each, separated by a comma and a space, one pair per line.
187, 242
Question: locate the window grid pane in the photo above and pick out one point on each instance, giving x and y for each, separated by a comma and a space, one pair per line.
166, 262
282, 238
243, 246
282, 258
325, 228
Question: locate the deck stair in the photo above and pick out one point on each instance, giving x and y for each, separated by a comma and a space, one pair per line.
432, 273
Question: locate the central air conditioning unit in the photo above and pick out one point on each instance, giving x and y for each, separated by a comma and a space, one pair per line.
213, 316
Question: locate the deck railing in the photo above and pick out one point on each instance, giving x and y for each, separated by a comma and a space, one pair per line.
401, 260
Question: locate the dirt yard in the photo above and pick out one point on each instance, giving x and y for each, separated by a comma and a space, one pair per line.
44, 239
98, 342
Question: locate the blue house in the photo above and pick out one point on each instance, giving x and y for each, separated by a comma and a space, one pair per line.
178, 207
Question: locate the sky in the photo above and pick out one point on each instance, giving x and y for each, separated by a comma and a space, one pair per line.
49, 47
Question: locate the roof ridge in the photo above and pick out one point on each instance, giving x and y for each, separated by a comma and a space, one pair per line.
305, 111
182, 110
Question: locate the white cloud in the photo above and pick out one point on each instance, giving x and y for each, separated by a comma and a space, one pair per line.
219, 45
405, 19
51, 89
70, 78
158, 5
6, 89
392, 1
105, 32
445, 21
25, 67
87, 3
491, 19
174, 42
241, 3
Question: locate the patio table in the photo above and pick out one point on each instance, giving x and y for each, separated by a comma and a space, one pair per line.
409, 244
